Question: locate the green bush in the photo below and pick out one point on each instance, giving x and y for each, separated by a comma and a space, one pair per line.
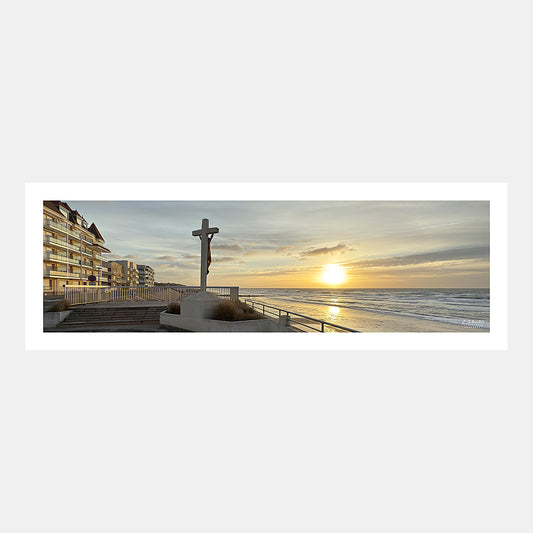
231, 311
62, 305
174, 308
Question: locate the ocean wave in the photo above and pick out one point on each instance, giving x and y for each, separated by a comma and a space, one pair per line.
466, 310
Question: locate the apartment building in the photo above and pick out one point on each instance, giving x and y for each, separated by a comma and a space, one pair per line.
131, 274
146, 275
72, 250
113, 274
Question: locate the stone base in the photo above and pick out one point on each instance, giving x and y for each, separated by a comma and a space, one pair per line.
199, 305
52, 318
196, 310
198, 324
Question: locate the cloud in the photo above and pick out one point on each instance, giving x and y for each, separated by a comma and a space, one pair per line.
456, 254
341, 247
224, 259
118, 257
229, 247
233, 248
178, 265
293, 270
165, 258
285, 250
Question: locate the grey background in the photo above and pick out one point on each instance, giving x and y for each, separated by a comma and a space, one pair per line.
374, 441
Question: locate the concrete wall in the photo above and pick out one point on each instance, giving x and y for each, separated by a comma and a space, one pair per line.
207, 325
54, 318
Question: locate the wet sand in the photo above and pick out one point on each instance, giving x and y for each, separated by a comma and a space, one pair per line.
369, 321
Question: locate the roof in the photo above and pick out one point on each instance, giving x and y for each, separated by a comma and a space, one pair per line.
94, 230
54, 205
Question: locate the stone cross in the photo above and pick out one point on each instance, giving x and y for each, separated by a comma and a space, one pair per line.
206, 250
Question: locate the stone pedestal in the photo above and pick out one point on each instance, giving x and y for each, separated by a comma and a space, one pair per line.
284, 321
195, 313
199, 305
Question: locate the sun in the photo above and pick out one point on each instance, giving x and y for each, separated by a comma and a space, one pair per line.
333, 274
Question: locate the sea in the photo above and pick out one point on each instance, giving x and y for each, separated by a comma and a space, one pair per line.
384, 310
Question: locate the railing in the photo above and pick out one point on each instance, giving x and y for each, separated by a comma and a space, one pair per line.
56, 242
52, 241
77, 294
59, 273
48, 256
225, 292
65, 274
270, 311
57, 226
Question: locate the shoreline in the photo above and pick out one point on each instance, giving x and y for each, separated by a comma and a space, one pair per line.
370, 321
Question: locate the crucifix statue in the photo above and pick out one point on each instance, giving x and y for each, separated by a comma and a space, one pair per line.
206, 235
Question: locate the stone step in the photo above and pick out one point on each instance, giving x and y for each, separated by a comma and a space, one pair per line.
108, 319
84, 323
81, 317
116, 309
138, 313
120, 310
92, 309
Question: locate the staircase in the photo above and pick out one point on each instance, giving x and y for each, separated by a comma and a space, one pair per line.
92, 317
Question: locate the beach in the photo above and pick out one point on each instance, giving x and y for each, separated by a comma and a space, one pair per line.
384, 311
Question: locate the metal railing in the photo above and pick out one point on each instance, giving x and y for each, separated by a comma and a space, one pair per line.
56, 242
77, 294
48, 256
74, 247
65, 228
270, 311
55, 273
59, 273
57, 226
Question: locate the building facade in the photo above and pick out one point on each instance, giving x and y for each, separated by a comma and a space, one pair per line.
131, 274
72, 250
146, 275
114, 274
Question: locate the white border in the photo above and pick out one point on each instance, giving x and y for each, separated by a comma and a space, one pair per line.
496, 193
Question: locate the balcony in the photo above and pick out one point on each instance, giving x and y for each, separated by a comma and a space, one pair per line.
61, 227
52, 241
60, 258
60, 273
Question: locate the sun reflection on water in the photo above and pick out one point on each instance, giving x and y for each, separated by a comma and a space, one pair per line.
333, 311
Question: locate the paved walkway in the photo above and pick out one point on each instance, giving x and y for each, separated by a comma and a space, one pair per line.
138, 328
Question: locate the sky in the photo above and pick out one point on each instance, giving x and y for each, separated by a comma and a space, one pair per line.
306, 244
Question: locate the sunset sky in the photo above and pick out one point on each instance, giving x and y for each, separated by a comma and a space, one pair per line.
303, 244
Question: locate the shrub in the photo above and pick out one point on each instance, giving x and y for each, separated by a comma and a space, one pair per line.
62, 305
174, 308
231, 311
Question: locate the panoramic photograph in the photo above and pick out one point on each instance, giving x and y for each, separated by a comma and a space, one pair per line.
266, 266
